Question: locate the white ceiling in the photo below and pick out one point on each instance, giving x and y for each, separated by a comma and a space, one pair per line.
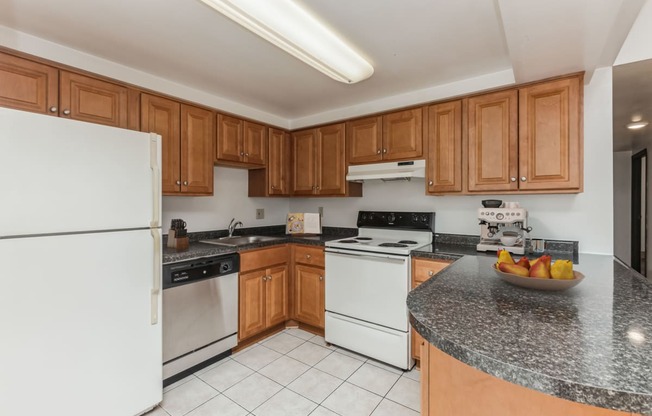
415, 46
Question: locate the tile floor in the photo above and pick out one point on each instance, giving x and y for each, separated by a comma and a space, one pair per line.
294, 373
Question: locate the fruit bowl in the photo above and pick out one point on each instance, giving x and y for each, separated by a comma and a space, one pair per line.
539, 283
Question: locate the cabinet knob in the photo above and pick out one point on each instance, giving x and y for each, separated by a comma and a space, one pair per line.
523, 178
430, 183
53, 109
431, 273
308, 256
513, 179
246, 154
185, 183
273, 187
318, 188
178, 182
66, 112
384, 150
241, 153
378, 152
321, 277
264, 278
269, 277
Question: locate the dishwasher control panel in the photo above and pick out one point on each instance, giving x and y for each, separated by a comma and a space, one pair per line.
176, 274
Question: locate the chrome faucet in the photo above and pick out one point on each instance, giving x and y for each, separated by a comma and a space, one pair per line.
232, 226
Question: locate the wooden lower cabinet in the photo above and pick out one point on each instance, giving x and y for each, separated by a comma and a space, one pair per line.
263, 290
422, 270
450, 387
308, 285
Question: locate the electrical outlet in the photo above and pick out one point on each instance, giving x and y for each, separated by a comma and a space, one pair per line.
260, 213
321, 211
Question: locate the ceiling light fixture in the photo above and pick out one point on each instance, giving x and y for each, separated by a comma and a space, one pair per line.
637, 125
291, 28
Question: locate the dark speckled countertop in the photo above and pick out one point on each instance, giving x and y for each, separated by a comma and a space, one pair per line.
590, 344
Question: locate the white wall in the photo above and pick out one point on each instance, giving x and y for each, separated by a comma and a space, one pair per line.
637, 46
586, 217
622, 205
229, 200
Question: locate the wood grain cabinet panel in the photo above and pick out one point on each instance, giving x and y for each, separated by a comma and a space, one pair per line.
309, 295
228, 146
304, 175
364, 140
403, 135
255, 143
276, 178
444, 164
252, 317
277, 295
197, 132
29, 86
331, 165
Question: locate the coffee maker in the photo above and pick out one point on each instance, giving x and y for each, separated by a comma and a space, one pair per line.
502, 220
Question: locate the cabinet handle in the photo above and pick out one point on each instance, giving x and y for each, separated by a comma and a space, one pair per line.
273, 187
430, 183
66, 112
53, 109
384, 150
178, 182
523, 178
513, 179
246, 154
269, 277
318, 188
264, 278
431, 273
378, 152
308, 256
241, 153
321, 277
185, 183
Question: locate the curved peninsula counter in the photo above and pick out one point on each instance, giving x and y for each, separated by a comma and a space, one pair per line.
493, 348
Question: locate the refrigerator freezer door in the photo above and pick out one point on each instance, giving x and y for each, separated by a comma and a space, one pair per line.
62, 175
77, 337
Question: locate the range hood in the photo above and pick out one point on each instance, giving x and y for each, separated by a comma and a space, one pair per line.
388, 171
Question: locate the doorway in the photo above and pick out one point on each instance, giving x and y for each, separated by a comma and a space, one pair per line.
639, 212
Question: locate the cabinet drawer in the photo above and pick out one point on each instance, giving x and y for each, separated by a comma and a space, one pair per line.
309, 255
263, 258
423, 270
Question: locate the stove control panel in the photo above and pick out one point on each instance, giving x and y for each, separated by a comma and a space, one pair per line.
399, 220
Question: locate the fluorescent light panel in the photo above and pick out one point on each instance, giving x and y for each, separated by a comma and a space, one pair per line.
291, 28
637, 125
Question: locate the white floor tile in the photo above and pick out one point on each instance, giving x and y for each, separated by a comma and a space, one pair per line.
315, 385
284, 370
300, 333
283, 343
338, 365
212, 366
178, 383
389, 408
350, 400
413, 374
384, 366
226, 375
258, 357
158, 411
322, 411
309, 353
374, 379
352, 354
406, 392
286, 403
244, 350
187, 396
219, 405
253, 391
319, 340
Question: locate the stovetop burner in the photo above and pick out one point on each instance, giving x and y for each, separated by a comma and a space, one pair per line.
364, 238
347, 241
391, 245
407, 242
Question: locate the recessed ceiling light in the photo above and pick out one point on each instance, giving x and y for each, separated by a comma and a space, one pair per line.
291, 28
637, 125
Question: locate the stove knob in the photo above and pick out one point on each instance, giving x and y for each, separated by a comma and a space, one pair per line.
391, 217
500, 216
424, 219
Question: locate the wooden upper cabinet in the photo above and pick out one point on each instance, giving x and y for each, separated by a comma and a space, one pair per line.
444, 164
403, 135
364, 140
279, 162
550, 135
228, 146
255, 143
29, 86
331, 165
493, 141
303, 154
89, 99
162, 116
197, 132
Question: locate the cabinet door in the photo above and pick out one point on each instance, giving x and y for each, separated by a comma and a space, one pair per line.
550, 135
197, 132
89, 99
403, 135
309, 295
331, 167
252, 303
277, 295
364, 140
228, 146
493, 142
29, 86
303, 156
279, 162
162, 116
445, 147
255, 143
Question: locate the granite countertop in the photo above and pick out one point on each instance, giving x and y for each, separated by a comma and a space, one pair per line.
590, 344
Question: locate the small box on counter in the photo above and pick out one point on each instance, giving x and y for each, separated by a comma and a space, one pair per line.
303, 223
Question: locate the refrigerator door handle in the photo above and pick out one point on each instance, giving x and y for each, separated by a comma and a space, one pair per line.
156, 180
156, 282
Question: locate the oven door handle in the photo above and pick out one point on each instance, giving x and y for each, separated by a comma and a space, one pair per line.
384, 258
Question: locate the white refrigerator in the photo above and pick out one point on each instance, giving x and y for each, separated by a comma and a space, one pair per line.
80, 268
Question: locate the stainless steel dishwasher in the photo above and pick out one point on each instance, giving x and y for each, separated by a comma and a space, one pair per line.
200, 313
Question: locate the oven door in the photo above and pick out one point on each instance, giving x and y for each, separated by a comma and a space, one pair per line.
371, 287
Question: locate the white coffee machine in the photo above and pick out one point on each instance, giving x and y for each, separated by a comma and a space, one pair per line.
498, 219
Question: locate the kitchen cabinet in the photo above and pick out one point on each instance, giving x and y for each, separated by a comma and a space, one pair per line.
187, 132
444, 163
319, 163
394, 136
263, 290
423, 270
309, 289
29, 86
527, 139
239, 142
275, 178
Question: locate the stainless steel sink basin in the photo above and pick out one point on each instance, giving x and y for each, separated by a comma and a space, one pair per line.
240, 240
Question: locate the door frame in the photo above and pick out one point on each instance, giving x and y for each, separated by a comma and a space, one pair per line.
637, 174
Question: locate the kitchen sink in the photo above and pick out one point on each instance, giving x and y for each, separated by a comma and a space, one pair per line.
241, 240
